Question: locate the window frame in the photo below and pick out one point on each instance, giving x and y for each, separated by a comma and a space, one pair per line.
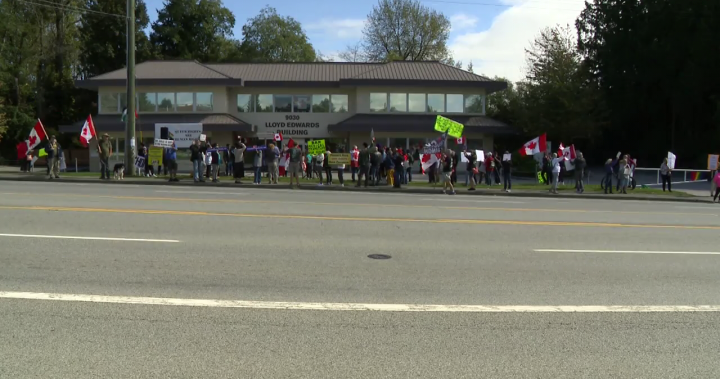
427, 103
312, 104
332, 105
192, 95
390, 106
387, 101
272, 101
137, 101
482, 99
282, 94
292, 103
195, 102
446, 102
250, 102
117, 102
424, 95
157, 102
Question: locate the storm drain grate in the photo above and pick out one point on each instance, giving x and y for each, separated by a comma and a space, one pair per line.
379, 256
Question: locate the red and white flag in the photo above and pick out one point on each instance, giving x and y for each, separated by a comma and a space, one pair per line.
278, 137
461, 140
534, 146
561, 150
568, 154
291, 144
37, 135
429, 159
88, 131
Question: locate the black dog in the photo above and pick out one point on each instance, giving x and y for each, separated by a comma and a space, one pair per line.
119, 171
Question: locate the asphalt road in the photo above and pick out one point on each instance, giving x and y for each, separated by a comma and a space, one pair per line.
310, 248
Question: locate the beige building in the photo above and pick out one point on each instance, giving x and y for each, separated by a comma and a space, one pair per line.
339, 102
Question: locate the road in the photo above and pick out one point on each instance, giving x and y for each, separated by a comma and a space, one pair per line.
158, 282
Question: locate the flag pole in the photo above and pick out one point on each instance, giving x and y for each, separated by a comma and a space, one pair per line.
131, 101
43, 128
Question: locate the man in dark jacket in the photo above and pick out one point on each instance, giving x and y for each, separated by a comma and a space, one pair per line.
580, 164
507, 171
53, 158
364, 165
197, 161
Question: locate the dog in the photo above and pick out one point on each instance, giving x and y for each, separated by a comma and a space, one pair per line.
119, 171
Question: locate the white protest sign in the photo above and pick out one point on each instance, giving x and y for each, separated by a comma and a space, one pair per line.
183, 134
480, 155
140, 162
713, 161
507, 157
203, 137
163, 142
671, 160
463, 158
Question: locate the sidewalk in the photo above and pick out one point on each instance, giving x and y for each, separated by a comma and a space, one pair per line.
306, 185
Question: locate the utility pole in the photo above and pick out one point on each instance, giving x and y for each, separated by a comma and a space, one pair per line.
131, 102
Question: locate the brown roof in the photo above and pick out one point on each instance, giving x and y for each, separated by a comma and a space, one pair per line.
421, 123
146, 122
411, 73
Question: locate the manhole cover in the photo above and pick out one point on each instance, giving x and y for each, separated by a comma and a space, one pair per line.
379, 256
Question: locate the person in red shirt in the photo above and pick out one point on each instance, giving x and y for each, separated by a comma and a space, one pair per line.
354, 162
489, 168
22, 150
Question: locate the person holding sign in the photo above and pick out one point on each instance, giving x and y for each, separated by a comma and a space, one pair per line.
507, 170
447, 167
171, 162
666, 175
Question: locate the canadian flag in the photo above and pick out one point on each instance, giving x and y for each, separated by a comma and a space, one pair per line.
37, 135
534, 146
88, 131
461, 141
568, 154
278, 137
291, 144
428, 160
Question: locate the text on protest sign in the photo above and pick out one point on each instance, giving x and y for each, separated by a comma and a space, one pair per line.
453, 128
338, 159
163, 142
140, 162
316, 147
155, 155
713, 161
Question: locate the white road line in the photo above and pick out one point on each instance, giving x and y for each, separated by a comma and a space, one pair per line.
280, 305
88, 238
626, 252
696, 207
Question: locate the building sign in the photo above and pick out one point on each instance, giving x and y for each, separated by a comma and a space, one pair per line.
294, 125
183, 134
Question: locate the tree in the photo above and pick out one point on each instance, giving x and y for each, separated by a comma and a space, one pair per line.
470, 67
269, 37
405, 30
103, 38
655, 63
193, 29
353, 53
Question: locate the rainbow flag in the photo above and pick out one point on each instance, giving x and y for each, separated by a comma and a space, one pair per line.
696, 176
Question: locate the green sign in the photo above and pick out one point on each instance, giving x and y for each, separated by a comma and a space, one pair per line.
316, 147
453, 128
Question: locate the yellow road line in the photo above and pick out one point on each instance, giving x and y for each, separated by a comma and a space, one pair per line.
176, 199
361, 219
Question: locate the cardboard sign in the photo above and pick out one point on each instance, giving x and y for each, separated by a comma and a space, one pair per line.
163, 142
480, 155
203, 138
316, 147
453, 128
338, 159
507, 157
155, 155
713, 161
140, 162
671, 160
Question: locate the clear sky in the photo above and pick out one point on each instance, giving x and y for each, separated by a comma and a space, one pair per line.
491, 33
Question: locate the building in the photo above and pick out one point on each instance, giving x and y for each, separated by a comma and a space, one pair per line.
336, 101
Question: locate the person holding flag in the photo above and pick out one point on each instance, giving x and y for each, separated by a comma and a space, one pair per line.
53, 163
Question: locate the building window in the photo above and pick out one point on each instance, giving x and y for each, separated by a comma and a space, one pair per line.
416, 102
321, 103
244, 103
398, 102
204, 101
147, 102
398, 143
123, 101
378, 102
264, 103
184, 102
166, 102
339, 103
283, 103
474, 104
435, 103
109, 103
455, 103
301, 103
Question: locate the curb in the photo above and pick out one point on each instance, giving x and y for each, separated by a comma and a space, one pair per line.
383, 189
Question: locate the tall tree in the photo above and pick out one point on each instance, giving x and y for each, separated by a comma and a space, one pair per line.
269, 37
656, 62
103, 36
470, 67
193, 29
405, 30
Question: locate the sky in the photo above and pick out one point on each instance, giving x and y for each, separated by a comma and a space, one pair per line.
492, 34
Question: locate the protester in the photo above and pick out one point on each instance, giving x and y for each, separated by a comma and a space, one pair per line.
341, 170
30, 161
609, 173
327, 168
666, 175
105, 152
507, 173
309, 166
208, 163
294, 166
319, 161
257, 166
375, 160
364, 165
196, 159
453, 176
284, 155
271, 157
53, 158
546, 168
471, 169
624, 173
216, 162
171, 162
389, 165
399, 160
716, 180
447, 167
498, 165
489, 169
354, 162
555, 163
239, 164
409, 161
228, 157
22, 152
580, 164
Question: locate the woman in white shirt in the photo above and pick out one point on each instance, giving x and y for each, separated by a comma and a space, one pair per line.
341, 171
318, 160
555, 172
